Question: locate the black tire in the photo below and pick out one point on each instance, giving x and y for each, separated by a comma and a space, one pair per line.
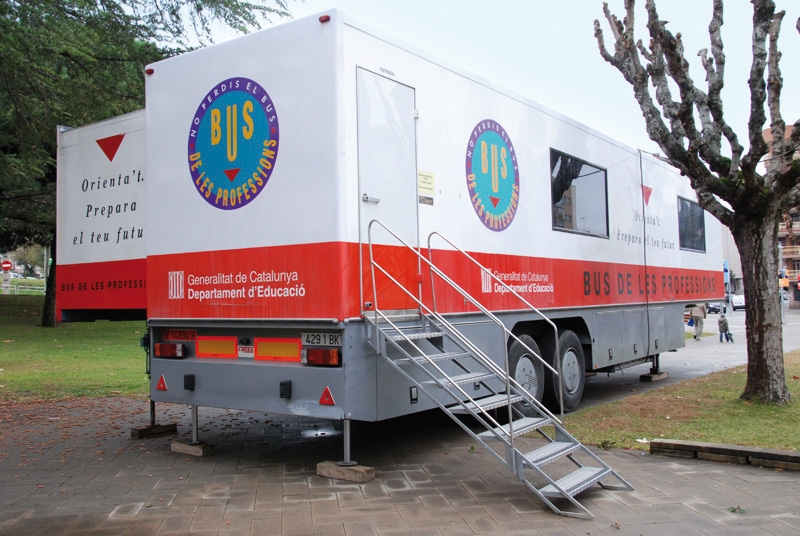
573, 371
527, 370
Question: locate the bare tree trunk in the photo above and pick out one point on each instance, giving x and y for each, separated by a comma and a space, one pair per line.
765, 372
49, 309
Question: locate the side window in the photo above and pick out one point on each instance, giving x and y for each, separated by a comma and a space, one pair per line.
579, 195
691, 225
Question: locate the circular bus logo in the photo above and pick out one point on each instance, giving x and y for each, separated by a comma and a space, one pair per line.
492, 175
233, 143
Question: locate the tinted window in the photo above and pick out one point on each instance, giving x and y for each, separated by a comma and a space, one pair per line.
578, 195
691, 225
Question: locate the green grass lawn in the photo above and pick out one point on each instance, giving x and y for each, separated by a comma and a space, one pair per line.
704, 409
75, 359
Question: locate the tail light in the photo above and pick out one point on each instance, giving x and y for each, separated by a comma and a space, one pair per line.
169, 349
324, 357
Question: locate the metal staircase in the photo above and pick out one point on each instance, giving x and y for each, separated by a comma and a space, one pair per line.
462, 380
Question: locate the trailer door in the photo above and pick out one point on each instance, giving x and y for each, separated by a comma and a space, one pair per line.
387, 176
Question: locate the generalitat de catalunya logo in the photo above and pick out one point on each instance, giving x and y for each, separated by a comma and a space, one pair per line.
233, 143
492, 175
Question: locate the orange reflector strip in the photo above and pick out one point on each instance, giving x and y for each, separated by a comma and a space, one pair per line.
226, 347
162, 384
327, 398
287, 350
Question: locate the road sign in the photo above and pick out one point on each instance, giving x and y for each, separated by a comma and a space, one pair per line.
7, 265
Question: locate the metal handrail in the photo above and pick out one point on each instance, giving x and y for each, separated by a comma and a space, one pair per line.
520, 298
463, 340
782, 227
790, 251
464, 394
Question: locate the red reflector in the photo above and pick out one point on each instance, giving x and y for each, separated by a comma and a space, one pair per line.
325, 18
162, 384
328, 357
169, 349
327, 398
149, 70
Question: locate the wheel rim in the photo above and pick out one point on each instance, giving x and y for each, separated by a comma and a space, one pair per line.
570, 370
525, 375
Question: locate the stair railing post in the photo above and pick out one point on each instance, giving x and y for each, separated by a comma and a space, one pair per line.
508, 391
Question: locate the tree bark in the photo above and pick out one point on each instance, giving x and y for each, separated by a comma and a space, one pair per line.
762, 297
49, 309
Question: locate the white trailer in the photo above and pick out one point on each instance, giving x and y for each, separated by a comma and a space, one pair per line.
100, 232
344, 228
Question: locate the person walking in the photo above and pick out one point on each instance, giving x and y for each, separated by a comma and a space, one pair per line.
698, 313
724, 331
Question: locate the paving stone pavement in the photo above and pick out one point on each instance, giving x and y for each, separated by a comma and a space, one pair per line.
71, 468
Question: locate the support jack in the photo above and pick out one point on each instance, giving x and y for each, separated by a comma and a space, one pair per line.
195, 447
655, 373
153, 429
346, 469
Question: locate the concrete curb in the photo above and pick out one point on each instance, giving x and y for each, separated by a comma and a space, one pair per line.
778, 459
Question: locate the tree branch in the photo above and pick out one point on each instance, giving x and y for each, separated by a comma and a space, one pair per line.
774, 87
715, 75
763, 11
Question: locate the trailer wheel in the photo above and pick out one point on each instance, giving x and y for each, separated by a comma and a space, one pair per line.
573, 371
526, 369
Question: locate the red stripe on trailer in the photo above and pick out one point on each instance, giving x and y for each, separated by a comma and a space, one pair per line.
323, 281
102, 285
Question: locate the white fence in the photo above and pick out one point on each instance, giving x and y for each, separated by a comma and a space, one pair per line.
22, 289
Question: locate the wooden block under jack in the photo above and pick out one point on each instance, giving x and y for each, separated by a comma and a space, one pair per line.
138, 432
654, 377
193, 449
353, 473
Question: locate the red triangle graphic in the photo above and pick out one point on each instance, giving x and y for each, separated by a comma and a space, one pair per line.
231, 173
494, 201
646, 191
110, 145
162, 384
327, 398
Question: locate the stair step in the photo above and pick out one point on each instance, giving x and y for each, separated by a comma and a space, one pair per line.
434, 358
486, 403
462, 379
416, 336
521, 426
576, 481
550, 452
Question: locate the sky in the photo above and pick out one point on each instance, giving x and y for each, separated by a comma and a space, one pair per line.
546, 51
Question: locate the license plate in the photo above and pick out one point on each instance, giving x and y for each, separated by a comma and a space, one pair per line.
179, 334
321, 339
